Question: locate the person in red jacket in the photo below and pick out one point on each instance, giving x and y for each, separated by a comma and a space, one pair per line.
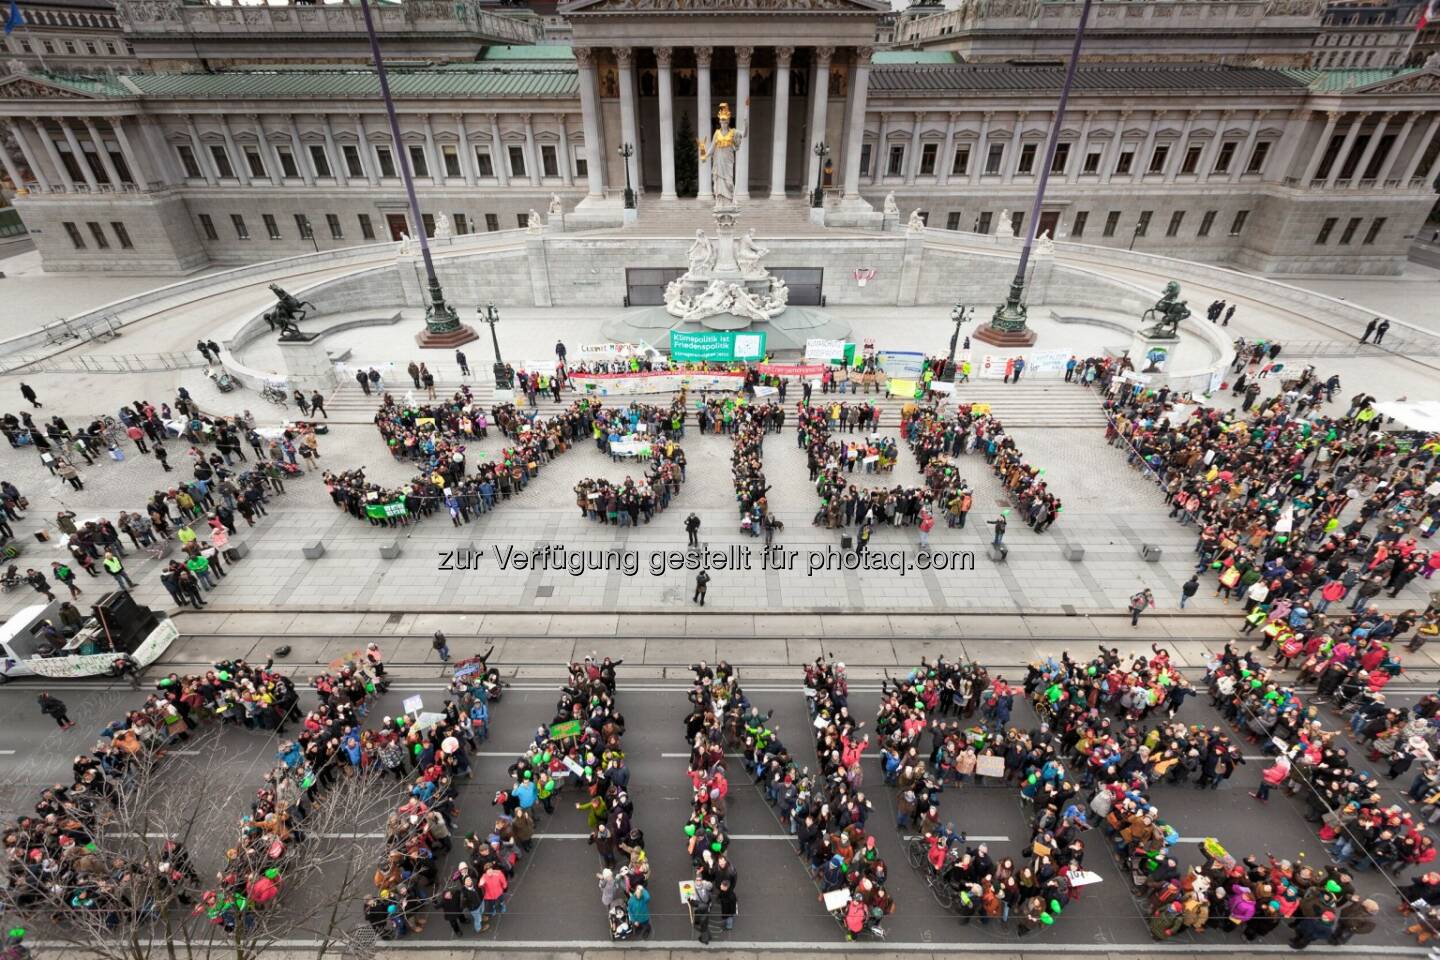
1272, 776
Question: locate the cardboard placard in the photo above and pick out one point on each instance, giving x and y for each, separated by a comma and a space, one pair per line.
562, 731
990, 766
413, 704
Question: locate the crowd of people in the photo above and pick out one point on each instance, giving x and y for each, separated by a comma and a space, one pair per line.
713, 729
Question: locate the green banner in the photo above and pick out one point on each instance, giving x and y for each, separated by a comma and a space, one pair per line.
563, 731
379, 511
717, 345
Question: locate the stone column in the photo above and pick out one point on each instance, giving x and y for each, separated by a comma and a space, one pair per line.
1395, 150
1242, 159
532, 155
946, 160
1112, 149
663, 56
36, 170
1172, 167
1346, 146
625, 57
1420, 147
237, 160
1372, 146
272, 162
152, 137
779, 143
859, 88
1295, 125
60, 169
1142, 160
435, 161
467, 151
1212, 149
1082, 147
982, 148
337, 160
562, 121
703, 122
912, 162
111, 173
590, 122
132, 159
877, 156
302, 161
742, 121
202, 156
499, 156
1318, 153
1433, 172
819, 107
11, 170
367, 162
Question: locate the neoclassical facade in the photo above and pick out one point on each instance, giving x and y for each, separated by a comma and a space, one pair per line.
1274, 169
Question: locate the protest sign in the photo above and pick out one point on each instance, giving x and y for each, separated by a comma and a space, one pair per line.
562, 731
990, 766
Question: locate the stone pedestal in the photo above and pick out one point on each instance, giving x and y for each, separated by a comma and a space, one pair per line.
1150, 354
307, 365
817, 216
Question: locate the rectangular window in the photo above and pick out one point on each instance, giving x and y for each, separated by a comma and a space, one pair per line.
1077, 229
353, 166
1125, 162
517, 161
1176, 218
1206, 222
242, 232
581, 165
367, 229
462, 226
1257, 157
865, 160
1348, 233
98, 232
429, 220
1026, 164
255, 162
386, 159
484, 163
1017, 220
895, 161
222, 161
1142, 225
123, 235
188, 163
1375, 227
332, 221
1238, 223
90, 48
272, 229
522, 220
549, 161
928, 153
1191, 161
924, 217
982, 225
450, 157
994, 157
419, 162
1062, 158
492, 222
76, 239
288, 169
1112, 221
207, 226
1226, 156
302, 224
952, 220
1092, 162
121, 167
1158, 157
960, 165
320, 160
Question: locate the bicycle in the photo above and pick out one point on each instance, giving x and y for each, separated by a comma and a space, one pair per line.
918, 855
275, 395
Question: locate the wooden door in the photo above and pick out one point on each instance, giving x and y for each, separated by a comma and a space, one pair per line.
397, 224
1049, 220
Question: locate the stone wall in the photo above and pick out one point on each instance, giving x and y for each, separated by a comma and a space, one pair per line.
163, 238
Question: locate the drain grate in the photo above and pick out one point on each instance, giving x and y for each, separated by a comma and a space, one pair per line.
1069, 610
393, 619
547, 591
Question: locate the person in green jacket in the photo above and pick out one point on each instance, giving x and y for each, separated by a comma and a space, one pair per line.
200, 566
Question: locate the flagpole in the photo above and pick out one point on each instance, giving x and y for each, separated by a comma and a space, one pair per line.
17, 19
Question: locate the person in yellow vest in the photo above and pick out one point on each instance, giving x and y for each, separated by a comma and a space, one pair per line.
116, 569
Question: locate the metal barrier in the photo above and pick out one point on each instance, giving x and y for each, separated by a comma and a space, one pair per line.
102, 362
1393, 346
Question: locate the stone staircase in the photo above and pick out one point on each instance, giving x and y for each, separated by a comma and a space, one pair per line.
1039, 403
780, 216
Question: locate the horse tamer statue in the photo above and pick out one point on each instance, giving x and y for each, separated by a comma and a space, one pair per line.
1166, 315
287, 314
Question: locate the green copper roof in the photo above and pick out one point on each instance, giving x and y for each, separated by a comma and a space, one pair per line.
90, 86
916, 56
454, 80
1335, 81
528, 54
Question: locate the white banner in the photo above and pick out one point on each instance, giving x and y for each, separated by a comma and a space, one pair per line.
632, 447
620, 384
823, 351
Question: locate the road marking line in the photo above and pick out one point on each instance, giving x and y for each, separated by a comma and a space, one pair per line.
972, 838
7, 753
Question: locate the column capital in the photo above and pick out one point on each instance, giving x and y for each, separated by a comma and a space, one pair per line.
954, 117
1193, 115
783, 56
664, 55
823, 54
526, 118
863, 55
988, 115
625, 57
1333, 116
584, 56
1388, 115
743, 55
703, 56
919, 116
561, 118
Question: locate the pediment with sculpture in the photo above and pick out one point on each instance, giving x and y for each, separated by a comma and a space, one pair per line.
724, 6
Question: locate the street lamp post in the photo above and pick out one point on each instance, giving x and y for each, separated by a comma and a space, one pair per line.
627, 151
960, 314
442, 324
822, 152
490, 314
1007, 327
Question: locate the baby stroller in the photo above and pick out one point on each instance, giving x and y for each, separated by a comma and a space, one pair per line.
221, 378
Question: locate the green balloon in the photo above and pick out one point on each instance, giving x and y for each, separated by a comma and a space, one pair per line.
1055, 906
689, 829
717, 846
1046, 919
